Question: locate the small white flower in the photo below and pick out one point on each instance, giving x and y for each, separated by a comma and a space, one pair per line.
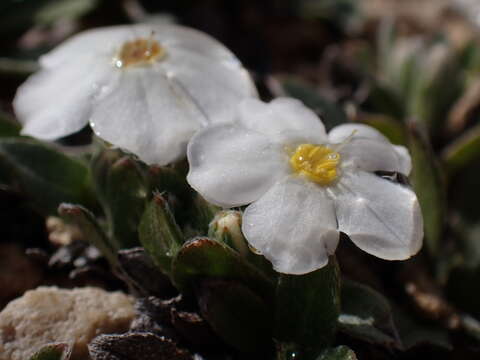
144, 88
304, 186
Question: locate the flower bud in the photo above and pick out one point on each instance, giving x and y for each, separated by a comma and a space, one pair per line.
226, 227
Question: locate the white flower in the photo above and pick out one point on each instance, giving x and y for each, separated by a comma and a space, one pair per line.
144, 88
304, 186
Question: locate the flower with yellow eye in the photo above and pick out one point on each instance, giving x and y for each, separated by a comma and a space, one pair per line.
144, 88
303, 187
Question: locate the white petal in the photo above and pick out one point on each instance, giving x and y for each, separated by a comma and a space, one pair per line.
143, 112
381, 217
341, 132
57, 102
370, 149
109, 40
206, 74
283, 120
180, 37
404, 159
374, 155
100, 42
215, 87
293, 225
232, 166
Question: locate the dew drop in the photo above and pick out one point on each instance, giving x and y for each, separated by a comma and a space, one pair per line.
255, 251
292, 355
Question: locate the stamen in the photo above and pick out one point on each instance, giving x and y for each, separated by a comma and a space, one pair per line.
348, 139
316, 162
151, 42
139, 52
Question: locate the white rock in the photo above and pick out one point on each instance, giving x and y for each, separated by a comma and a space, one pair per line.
50, 314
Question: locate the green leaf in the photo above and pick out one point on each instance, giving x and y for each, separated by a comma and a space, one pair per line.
330, 113
192, 212
438, 85
423, 75
202, 258
427, 181
462, 151
8, 127
341, 352
307, 308
45, 175
201, 214
165, 178
238, 316
159, 233
406, 79
123, 190
100, 164
469, 58
366, 315
56, 351
91, 230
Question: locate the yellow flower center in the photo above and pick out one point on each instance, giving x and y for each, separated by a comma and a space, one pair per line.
317, 162
139, 52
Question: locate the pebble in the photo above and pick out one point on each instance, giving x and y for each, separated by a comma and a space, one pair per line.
51, 314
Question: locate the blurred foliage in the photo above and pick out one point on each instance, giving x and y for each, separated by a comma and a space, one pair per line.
331, 114
427, 180
17, 16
